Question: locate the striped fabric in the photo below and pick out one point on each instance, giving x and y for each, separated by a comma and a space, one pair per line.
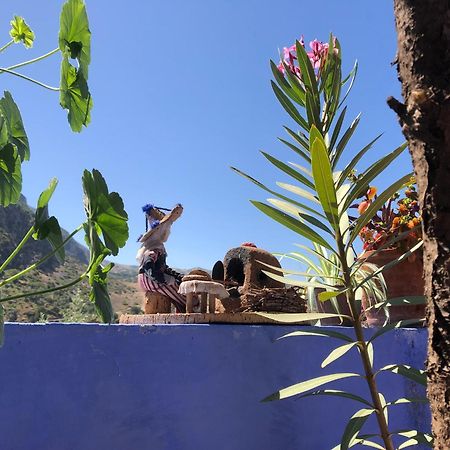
169, 290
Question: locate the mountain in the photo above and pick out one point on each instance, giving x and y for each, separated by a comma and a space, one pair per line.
71, 304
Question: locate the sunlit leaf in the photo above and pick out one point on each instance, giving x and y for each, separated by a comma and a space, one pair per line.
14, 130
41, 213
344, 141
292, 224
74, 34
295, 94
21, 32
405, 400
75, 96
297, 318
419, 376
10, 175
319, 332
324, 296
99, 293
289, 170
337, 353
415, 438
354, 426
323, 180
337, 393
299, 191
308, 385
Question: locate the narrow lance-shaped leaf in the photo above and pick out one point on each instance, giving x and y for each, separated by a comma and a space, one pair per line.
344, 141
299, 191
293, 93
297, 318
289, 107
337, 128
419, 376
354, 426
351, 165
319, 332
373, 171
292, 224
323, 180
308, 385
289, 170
337, 393
337, 353
271, 191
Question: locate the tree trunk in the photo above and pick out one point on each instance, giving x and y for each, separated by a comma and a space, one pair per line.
423, 30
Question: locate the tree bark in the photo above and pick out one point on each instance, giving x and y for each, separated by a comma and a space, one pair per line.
423, 30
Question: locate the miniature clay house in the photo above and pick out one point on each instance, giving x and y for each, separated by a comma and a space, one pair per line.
243, 268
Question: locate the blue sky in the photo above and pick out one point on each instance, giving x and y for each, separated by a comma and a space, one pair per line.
182, 92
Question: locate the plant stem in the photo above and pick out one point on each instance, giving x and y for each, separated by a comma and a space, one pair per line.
363, 351
17, 249
17, 74
31, 61
46, 291
7, 45
41, 261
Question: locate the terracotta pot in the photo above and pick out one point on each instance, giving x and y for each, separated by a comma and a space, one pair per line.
328, 307
403, 279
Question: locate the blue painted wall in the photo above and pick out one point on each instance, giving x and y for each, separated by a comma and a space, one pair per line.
184, 387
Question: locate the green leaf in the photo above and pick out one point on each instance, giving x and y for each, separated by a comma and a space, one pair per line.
337, 128
336, 393
49, 229
10, 175
296, 150
308, 385
381, 199
75, 96
351, 165
415, 438
74, 34
324, 296
392, 326
299, 191
283, 197
21, 32
307, 74
99, 293
14, 130
404, 400
289, 170
292, 224
337, 353
419, 376
290, 91
294, 282
344, 141
354, 426
289, 107
297, 318
41, 214
373, 171
319, 332
105, 211
323, 180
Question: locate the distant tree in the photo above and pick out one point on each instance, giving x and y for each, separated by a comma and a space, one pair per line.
423, 30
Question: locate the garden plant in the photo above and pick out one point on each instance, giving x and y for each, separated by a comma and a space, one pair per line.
105, 226
310, 87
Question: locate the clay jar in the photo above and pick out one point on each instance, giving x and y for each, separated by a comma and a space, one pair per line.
403, 279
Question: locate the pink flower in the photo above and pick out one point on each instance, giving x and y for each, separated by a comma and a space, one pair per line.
318, 53
280, 67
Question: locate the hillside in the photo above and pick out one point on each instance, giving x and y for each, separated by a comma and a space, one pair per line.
71, 304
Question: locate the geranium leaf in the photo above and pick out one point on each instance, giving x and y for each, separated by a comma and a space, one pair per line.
14, 130
49, 229
21, 32
99, 293
41, 213
75, 96
10, 175
74, 34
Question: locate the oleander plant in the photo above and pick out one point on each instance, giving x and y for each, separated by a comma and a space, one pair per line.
309, 84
